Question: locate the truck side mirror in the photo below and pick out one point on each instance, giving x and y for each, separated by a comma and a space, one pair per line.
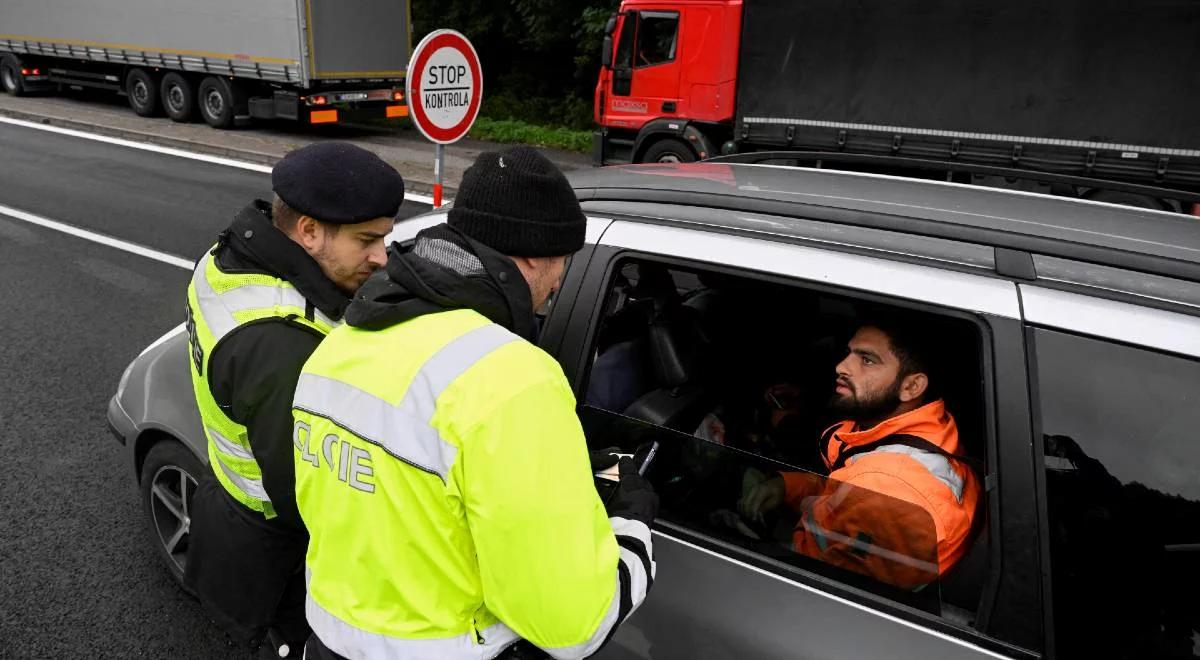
610, 25
606, 52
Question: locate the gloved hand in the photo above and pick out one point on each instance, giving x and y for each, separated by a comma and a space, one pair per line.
602, 459
764, 497
634, 498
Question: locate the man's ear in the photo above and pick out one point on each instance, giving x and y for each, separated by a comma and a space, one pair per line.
309, 233
913, 387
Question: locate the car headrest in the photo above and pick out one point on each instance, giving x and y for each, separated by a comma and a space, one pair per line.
671, 359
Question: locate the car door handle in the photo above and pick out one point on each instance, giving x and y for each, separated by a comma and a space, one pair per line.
668, 106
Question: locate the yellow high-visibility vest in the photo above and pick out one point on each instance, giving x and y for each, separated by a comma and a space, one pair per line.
217, 304
444, 479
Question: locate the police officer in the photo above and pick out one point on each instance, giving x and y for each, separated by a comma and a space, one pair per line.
277, 281
440, 467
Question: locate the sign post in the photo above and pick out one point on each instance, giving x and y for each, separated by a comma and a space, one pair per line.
445, 87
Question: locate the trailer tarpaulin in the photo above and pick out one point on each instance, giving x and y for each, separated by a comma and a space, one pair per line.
358, 38
1104, 71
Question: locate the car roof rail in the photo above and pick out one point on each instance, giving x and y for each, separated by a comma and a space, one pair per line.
822, 159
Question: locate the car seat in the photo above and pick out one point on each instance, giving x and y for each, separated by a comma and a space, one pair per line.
676, 351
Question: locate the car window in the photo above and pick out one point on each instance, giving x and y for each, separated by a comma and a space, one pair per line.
1122, 461
858, 532
732, 377
657, 37
624, 56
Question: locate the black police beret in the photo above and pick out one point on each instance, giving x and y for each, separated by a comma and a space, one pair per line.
338, 182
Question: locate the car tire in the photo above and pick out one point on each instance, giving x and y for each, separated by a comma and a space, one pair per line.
220, 101
169, 478
141, 87
10, 76
178, 97
669, 150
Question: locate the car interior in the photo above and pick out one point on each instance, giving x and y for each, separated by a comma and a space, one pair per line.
683, 358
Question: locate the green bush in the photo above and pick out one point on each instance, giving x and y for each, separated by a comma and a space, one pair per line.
520, 132
569, 112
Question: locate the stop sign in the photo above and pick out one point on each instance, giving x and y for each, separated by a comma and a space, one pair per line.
445, 86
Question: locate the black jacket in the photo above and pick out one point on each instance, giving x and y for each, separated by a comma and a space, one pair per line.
445, 270
252, 372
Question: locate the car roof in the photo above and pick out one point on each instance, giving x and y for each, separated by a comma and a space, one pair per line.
1122, 236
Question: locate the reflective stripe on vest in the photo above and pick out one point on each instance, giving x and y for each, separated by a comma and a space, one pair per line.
937, 465
354, 643
223, 302
403, 430
252, 487
227, 446
823, 537
219, 308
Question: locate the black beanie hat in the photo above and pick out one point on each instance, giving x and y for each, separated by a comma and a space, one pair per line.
518, 203
338, 183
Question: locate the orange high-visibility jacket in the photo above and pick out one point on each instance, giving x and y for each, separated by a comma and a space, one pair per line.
899, 513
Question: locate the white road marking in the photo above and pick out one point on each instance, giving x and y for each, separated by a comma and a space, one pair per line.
132, 248
169, 151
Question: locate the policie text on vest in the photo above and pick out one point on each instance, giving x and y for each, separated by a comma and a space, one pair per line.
353, 465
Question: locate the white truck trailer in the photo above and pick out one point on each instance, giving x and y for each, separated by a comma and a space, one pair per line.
313, 61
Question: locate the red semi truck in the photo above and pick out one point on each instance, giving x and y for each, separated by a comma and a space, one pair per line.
1089, 98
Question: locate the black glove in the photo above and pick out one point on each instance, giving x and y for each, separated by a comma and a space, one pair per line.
633, 498
602, 459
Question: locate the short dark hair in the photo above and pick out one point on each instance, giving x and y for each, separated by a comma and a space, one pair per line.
911, 339
285, 217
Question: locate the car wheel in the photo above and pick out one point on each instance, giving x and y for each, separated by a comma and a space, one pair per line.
178, 97
220, 100
10, 76
142, 90
169, 477
669, 150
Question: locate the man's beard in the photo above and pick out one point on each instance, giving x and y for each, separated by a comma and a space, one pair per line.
343, 278
867, 409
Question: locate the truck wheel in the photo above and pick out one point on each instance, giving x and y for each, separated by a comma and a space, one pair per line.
178, 97
142, 90
10, 76
669, 150
220, 100
168, 481
1126, 199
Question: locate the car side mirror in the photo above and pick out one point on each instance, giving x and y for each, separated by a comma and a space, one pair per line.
606, 52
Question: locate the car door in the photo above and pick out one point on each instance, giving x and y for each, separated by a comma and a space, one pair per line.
1116, 385
715, 598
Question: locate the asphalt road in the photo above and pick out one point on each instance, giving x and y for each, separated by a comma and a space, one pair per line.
78, 576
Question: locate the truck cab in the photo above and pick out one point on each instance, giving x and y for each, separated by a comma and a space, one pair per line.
667, 85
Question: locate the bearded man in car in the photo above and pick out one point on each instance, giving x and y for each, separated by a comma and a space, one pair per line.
900, 499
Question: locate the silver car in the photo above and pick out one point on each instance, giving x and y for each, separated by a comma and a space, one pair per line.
1071, 339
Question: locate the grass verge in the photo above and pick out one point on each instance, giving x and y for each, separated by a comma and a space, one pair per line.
519, 132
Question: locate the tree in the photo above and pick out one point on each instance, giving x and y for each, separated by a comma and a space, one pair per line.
540, 57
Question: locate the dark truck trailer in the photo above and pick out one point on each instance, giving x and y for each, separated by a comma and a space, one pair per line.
314, 61
1070, 89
